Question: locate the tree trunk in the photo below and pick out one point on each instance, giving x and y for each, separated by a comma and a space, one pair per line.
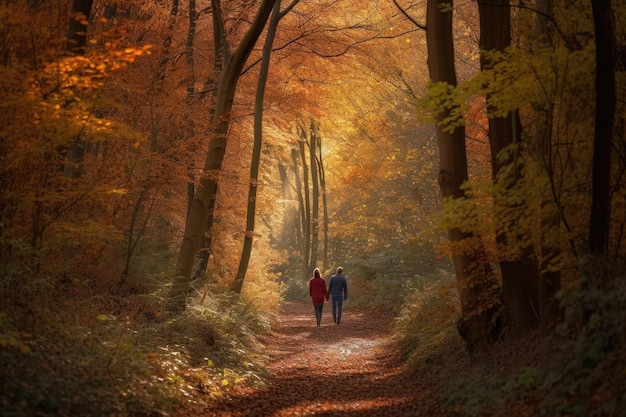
475, 325
201, 261
549, 281
322, 176
134, 237
76, 42
237, 284
520, 277
203, 255
604, 24
315, 197
189, 49
167, 42
199, 213
301, 216
306, 195
77, 29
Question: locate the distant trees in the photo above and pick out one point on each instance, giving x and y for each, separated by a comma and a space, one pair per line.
277, 14
198, 214
309, 192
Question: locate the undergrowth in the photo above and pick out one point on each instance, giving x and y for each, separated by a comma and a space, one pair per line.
580, 370
71, 351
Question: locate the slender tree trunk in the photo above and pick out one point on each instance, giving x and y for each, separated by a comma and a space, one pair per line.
134, 237
189, 49
322, 175
520, 277
598, 266
475, 326
300, 218
549, 281
604, 26
256, 150
167, 42
306, 194
198, 217
315, 197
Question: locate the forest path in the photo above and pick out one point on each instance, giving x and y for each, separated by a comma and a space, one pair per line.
349, 369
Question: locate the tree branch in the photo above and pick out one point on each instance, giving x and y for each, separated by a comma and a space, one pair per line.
404, 12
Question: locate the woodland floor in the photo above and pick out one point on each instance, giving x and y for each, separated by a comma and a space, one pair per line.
349, 369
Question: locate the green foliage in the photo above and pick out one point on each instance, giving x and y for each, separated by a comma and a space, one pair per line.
80, 370
444, 103
381, 279
548, 202
213, 346
529, 379
297, 289
578, 371
12, 338
427, 320
94, 354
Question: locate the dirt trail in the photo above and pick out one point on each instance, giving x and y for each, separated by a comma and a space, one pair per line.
332, 370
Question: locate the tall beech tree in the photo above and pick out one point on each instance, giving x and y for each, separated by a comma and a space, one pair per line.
195, 225
520, 276
305, 197
299, 218
315, 196
476, 282
322, 185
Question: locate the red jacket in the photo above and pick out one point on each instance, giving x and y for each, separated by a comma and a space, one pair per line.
317, 290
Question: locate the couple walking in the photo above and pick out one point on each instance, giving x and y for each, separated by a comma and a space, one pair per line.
337, 290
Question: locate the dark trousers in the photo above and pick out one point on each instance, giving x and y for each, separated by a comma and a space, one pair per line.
318, 312
337, 306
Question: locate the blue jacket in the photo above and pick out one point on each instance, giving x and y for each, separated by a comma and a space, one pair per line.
338, 285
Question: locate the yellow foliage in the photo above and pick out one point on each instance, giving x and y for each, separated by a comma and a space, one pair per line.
540, 201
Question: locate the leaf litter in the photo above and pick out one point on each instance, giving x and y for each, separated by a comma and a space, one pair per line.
333, 370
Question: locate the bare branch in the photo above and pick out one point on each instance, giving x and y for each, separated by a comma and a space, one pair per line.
404, 12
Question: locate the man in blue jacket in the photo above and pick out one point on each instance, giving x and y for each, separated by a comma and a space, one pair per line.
338, 290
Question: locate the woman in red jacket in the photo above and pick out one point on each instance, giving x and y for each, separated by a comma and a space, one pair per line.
318, 292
